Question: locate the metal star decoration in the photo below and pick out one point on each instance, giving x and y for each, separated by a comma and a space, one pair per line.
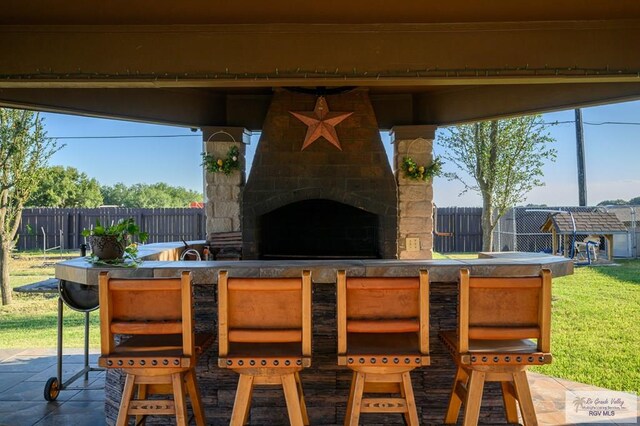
321, 123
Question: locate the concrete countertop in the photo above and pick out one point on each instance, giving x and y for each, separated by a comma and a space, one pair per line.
160, 260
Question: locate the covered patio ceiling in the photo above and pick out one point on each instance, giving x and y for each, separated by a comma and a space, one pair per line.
196, 63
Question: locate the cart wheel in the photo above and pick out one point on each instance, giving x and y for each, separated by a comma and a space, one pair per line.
51, 389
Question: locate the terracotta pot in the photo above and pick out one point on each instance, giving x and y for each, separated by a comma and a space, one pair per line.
106, 247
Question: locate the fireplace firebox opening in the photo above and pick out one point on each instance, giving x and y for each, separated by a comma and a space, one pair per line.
318, 229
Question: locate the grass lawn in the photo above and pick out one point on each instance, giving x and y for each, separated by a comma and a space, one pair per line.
595, 330
30, 322
595, 324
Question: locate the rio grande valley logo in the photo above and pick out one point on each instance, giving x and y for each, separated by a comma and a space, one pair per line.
593, 406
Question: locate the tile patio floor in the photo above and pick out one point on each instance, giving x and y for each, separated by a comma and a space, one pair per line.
23, 374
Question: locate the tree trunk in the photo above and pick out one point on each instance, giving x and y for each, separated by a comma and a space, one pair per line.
487, 216
5, 285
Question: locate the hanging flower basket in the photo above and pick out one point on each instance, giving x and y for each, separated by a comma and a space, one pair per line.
222, 165
415, 171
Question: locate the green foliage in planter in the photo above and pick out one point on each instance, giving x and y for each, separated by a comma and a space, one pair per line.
124, 231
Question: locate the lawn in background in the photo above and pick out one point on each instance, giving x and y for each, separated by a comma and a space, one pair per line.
31, 320
595, 323
595, 328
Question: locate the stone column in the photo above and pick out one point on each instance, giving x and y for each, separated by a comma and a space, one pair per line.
415, 197
223, 193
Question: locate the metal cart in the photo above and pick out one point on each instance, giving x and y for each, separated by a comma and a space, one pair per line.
82, 298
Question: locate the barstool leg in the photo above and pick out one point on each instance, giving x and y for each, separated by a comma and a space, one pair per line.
510, 408
127, 394
243, 400
177, 381
292, 398
352, 388
142, 394
524, 398
353, 410
194, 395
474, 398
453, 410
247, 410
412, 412
303, 405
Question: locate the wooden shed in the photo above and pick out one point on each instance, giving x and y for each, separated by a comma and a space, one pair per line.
568, 224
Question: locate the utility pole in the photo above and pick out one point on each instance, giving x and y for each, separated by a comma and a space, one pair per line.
582, 174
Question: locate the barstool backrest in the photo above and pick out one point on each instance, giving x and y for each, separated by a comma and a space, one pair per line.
383, 305
505, 308
264, 310
146, 306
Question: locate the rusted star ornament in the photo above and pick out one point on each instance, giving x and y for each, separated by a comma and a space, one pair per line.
321, 123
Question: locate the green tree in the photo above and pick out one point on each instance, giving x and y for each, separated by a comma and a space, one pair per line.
618, 202
65, 187
149, 195
115, 195
24, 151
635, 201
503, 160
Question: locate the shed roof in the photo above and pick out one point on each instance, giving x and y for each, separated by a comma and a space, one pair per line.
585, 223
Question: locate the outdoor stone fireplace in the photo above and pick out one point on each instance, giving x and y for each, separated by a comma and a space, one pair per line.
323, 201
320, 202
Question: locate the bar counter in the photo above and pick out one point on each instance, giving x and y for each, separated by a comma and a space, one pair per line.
326, 385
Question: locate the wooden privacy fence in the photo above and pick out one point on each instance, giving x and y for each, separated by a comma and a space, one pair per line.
45, 228
464, 224
63, 227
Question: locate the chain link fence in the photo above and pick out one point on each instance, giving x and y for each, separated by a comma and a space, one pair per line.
519, 229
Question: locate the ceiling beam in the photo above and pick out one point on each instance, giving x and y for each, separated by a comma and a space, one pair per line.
147, 12
198, 108
461, 105
268, 55
178, 107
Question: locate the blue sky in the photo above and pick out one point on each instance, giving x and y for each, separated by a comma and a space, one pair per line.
612, 155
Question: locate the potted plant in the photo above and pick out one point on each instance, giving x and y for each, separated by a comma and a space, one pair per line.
115, 243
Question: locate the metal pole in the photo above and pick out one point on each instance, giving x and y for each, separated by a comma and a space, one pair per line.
60, 308
515, 229
582, 174
499, 227
86, 345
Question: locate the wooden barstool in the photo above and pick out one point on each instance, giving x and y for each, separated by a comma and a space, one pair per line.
160, 355
265, 336
497, 318
383, 334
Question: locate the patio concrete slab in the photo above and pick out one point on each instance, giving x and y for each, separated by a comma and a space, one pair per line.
20, 413
23, 374
77, 413
22, 387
